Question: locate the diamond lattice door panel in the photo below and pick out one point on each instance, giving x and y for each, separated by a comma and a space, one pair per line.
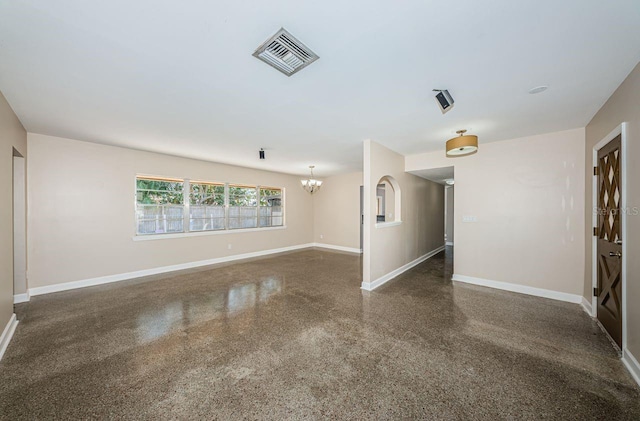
609, 246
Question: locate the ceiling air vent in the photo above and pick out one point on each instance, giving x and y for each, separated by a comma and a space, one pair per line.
284, 52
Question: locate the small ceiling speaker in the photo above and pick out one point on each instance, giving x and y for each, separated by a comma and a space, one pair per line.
444, 100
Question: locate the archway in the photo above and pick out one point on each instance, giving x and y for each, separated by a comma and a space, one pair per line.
388, 196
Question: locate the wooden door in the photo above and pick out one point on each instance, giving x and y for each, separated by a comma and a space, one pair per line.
609, 247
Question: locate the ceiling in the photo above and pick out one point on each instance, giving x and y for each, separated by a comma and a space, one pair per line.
438, 175
179, 77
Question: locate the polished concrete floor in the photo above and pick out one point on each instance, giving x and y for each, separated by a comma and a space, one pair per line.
293, 336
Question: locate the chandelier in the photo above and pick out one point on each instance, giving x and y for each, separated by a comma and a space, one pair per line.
311, 184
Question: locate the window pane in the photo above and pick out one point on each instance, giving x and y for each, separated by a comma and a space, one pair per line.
159, 206
159, 192
206, 207
207, 194
242, 217
243, 207
271, 207
242, 196
206, 218
159, 219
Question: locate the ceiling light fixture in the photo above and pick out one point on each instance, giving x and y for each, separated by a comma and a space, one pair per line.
462, 145
311, 184
450, 182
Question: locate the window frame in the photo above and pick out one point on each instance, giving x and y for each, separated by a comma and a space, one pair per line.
186, 204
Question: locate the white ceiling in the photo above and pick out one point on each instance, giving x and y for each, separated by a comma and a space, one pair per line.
438, 175
179, 78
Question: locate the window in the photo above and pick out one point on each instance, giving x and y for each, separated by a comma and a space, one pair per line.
165, 206
243, 207
206, 207
270, 207
159, 206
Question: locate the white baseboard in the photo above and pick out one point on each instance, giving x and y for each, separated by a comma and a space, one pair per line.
140, 273
21, 298
522, 289
7, 334
632, 365
339, 248
586, 306
370, 286
449, 243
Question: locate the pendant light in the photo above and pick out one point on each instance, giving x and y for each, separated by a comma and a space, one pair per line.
311, 184
462, 145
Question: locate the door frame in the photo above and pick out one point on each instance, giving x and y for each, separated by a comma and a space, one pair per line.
621, 130
447, 192
19, 226
361, 218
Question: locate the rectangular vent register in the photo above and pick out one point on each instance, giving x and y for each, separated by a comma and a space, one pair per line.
285, 53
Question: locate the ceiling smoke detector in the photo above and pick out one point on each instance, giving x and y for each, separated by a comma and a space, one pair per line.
286, 53
538, 89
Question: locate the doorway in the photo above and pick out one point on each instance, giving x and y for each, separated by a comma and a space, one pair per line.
446, 177
609, 232
19, 229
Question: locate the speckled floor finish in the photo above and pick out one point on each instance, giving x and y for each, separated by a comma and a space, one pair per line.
293, 336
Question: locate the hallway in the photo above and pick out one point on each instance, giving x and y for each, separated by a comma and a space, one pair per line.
293, 336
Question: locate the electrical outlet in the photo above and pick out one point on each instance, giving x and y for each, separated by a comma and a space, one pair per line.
321, 236
229, 246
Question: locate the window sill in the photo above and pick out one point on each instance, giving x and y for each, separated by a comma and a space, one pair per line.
148, 237
388, 224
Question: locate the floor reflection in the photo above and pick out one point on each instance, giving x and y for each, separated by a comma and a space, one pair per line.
153, 325
237, 300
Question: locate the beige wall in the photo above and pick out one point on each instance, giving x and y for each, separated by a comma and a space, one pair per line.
81, 218
448, 230
528, 197
422, 215
623, 106
336, 211
12, 135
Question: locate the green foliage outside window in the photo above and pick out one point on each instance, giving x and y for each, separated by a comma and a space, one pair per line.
270, 197
207, 194
242, 196
158, 192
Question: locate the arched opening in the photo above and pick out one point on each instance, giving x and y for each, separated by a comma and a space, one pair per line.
388, 203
